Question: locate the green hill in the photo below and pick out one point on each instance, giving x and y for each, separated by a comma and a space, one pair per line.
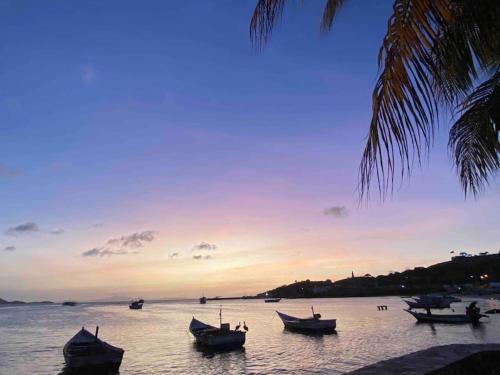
458, 275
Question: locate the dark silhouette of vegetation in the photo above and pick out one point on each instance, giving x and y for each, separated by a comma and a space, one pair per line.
465, 270
436, 55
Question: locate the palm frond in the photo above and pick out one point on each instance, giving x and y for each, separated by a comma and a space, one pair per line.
404, 102
264, 18
474, 136
331, 9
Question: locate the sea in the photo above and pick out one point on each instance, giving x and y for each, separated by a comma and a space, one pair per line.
156, 339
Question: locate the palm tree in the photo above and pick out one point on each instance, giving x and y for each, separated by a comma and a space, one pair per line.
437, 55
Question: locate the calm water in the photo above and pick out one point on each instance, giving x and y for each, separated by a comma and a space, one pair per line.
156, 340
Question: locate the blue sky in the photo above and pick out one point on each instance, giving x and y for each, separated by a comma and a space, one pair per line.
121, 117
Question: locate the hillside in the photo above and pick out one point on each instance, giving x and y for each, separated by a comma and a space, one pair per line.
461, 274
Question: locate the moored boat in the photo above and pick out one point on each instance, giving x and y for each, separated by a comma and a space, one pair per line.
85, 350
136, 305
203, 300
472, 315
269, 300
312, 324
214, 338
432, 301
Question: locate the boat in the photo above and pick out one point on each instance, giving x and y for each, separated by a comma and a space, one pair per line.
211, 337
312, 324
136, 305
471, 315
269, 300
419, 304
203, 300
69, 303
85, 350
433, 301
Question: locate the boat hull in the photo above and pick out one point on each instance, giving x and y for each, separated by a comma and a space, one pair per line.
441, 318
310, 325
215, 338
90, 352
235, 339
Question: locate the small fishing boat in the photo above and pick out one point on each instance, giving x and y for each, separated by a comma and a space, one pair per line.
69, 303
432, 301
203, 300
418, 304
270, 300
85, 350
313, 324
136, 305
471, 315
214, 338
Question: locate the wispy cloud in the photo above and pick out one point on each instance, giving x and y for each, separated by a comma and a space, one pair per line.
133, 240
202, 257
10, 248
122, 245
88, 74
174, 255
8, 172
21, 229
102, 251
204, 246
336, 211
57, 231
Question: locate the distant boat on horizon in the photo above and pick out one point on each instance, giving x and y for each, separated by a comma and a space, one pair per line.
270, 300
203, 300
136, 305
69, 303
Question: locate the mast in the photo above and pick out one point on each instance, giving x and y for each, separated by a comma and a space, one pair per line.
220, 315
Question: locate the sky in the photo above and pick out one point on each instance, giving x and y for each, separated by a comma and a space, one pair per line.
147, 149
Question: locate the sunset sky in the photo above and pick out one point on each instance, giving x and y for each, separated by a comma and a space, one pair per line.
147, 149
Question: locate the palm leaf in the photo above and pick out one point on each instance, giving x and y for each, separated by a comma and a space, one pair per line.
474, 136
331, 9
404, 102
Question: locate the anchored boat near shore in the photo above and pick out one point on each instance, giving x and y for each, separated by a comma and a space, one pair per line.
85, 350
312, 324
472, 315
214, 338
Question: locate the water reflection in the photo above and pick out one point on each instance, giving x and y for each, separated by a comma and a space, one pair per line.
156, 340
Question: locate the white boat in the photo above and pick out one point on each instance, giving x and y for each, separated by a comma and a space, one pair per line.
85, 350
433, 301
421, 304
214, 338
311, 324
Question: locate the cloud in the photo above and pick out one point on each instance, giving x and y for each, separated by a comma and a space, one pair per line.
174, 255
57, 231
8, 172
97, 225
134, 240
102, 251
10, 248
204, 246
122, 245
200, 257
88, 74
21, 229
336, 211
